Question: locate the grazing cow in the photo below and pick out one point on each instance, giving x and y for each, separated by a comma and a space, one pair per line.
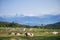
17, 34
11, 33
24, 29
29, 34
54, 32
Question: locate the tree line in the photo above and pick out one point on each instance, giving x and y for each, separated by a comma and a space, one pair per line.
13, 24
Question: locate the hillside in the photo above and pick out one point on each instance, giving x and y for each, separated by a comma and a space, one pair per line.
12, 24
55, 25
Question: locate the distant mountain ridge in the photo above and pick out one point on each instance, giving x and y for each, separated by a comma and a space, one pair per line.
32, 20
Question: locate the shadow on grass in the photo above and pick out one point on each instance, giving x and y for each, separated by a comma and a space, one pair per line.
31, 38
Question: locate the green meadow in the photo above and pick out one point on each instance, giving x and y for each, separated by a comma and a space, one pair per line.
39, 34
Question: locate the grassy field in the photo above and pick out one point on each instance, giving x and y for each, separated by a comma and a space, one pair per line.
31, 38
39, 34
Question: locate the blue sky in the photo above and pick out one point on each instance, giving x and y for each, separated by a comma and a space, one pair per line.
29, 7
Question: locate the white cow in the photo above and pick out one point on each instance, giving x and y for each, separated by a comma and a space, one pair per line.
11, 33
24, 29
18, 34
54, 32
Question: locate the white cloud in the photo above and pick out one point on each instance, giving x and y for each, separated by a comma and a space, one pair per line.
41, 13
38, 13
30, 8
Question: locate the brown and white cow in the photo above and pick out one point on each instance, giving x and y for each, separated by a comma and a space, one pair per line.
29, 34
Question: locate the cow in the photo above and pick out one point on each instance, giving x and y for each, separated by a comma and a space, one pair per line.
54, 32
29, 34
11, 33
17, 34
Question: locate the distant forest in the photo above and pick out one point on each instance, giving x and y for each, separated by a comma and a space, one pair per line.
13, 24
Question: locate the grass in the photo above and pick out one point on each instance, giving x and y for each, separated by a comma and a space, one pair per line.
39, 34
31, 38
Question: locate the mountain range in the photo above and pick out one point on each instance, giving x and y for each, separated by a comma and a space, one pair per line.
32, 20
